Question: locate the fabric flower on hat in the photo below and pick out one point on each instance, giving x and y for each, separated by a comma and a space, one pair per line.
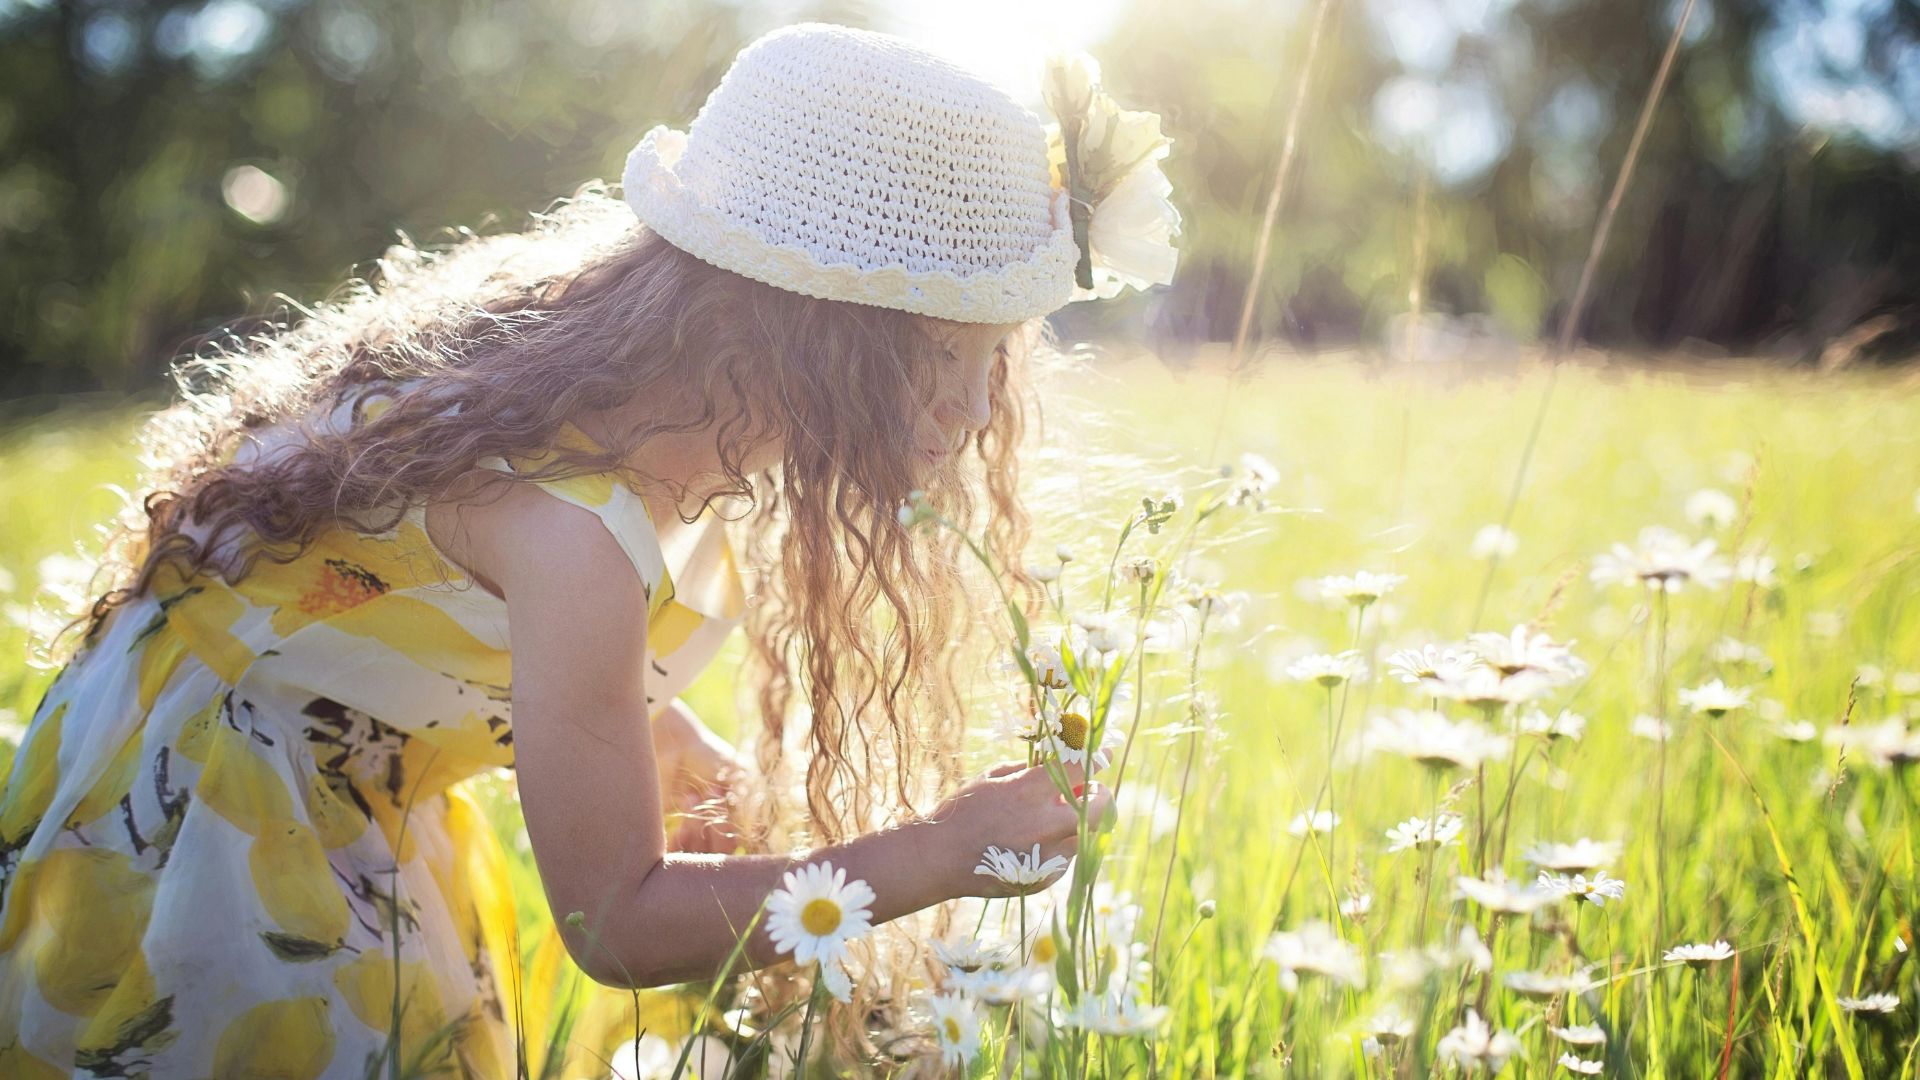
1106, 173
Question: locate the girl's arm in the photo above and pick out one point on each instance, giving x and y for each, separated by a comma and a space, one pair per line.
590, 790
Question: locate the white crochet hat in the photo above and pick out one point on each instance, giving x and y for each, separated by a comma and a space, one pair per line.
852, 165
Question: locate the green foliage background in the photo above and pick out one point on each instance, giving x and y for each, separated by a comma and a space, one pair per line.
1745, 230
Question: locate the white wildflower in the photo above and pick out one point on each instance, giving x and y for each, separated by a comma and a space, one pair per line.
1663, 560
1581, 1035
1322, 821
1442, 831
1582, 854
1715, 699
1315, 949
1542, 986
1017, 869
1475, 1045
1493, 542
1431, 662
1566, 724
1758, 569
1525, 652
1359, 589
1651, 728
1711, 507
1433, 740
1596, 890
1796, 730
1699, 955
816, 911
956, 1024
1328, 671
1497, 894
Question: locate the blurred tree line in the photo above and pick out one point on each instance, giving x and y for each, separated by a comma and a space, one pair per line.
167, 168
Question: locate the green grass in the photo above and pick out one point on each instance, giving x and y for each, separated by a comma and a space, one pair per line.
1802, 860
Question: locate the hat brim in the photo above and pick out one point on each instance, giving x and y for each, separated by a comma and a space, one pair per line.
1014, 293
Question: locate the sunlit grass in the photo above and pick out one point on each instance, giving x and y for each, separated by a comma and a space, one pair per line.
1801, 860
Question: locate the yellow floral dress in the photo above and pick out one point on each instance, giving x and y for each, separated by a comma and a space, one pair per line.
236, 839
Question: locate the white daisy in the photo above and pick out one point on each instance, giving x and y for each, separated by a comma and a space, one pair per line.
1475, 1045
1886, 743
1431, 662
1486, 688
1467, 951
1715, 699
1049, 669
1884, 1004
1316, 949
1442, 831
1257, 474
1497, 894
964, 955
1017, 869
1758, 569
1323, 821
1117, 1012
1067, 740
1390, 1026
1542, 986
1493, 542
1699, 955
1663, 560
1711, 507
1045, 573
1524, 652
1651, 728
1582, 1035
1356, 907
1733, 651
1433, 740
956, 1024
1102, 631
1567, 724
1361, 588
1596, 891
1796, 730
816, 911
1004, 984
1582, 854
1328, 671
1581, 1065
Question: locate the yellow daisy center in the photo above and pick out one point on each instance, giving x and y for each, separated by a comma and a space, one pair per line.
1043, 949
1073, 730
953, 1030
820, 917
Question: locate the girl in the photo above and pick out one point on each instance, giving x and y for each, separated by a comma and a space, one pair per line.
468, 520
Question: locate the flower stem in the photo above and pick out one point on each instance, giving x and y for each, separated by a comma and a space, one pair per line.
806, 1025
1660, 769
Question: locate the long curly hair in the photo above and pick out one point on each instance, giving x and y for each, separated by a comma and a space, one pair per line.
856, 625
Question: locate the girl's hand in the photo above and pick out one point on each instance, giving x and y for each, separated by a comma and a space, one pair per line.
697, 768
1012, 806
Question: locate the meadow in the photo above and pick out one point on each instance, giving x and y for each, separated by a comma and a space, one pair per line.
1674, 739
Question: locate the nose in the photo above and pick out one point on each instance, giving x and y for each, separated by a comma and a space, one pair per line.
974, 407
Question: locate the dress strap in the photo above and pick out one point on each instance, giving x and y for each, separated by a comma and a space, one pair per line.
610, 499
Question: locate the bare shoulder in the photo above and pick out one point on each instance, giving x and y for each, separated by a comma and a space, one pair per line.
504, 533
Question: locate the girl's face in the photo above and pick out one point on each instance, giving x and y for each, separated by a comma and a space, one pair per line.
961, 405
